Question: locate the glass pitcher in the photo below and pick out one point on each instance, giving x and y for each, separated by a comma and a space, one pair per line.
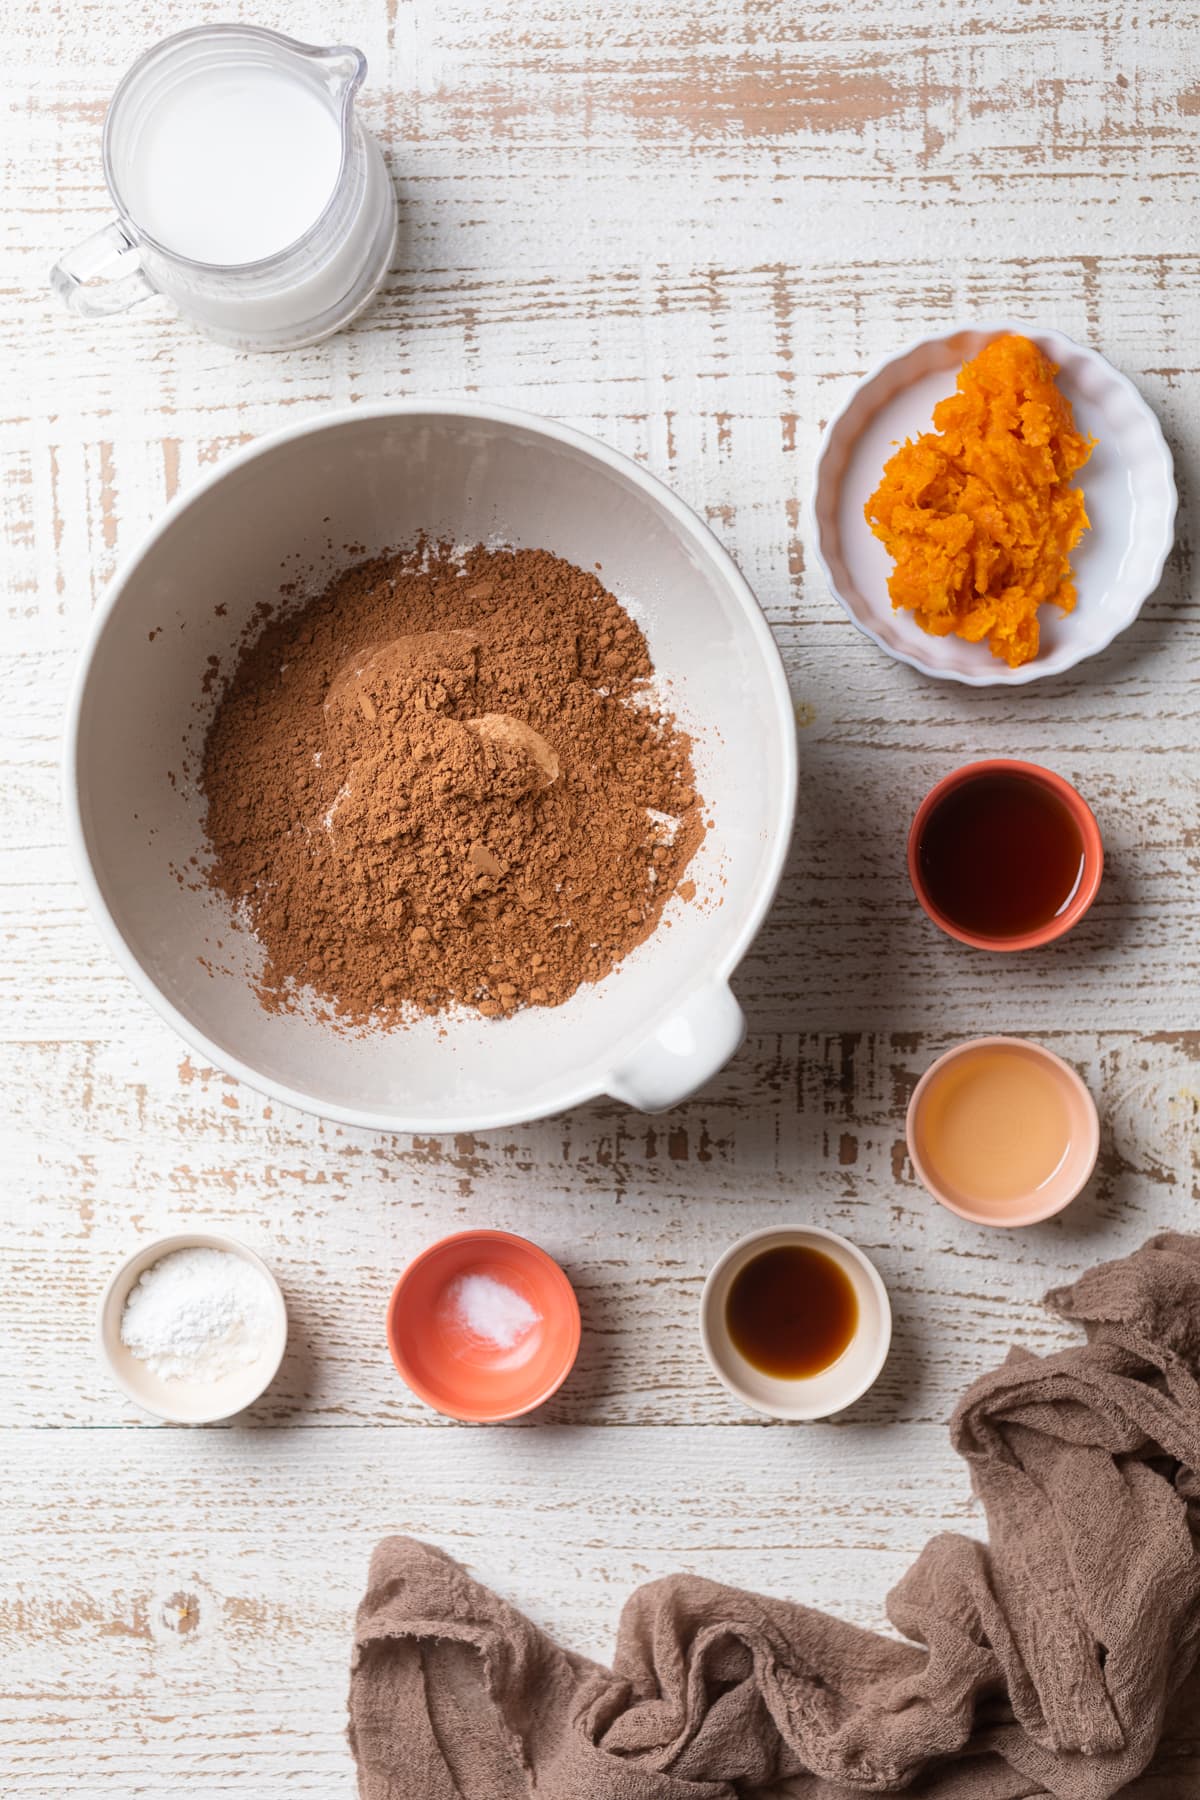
247, 191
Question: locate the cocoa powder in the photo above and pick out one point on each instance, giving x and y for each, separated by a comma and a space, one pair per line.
443, 782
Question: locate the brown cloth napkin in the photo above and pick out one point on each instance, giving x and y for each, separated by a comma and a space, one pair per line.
1041, 1664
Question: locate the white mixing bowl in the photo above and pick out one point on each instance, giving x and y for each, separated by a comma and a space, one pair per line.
665, 1020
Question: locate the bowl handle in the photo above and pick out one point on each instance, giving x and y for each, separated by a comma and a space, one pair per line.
685, 1051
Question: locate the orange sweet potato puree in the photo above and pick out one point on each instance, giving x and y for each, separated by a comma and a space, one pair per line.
979, 514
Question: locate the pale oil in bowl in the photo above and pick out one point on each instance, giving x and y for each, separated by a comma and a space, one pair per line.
995, 1128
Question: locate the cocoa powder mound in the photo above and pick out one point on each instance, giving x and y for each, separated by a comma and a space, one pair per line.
443, 782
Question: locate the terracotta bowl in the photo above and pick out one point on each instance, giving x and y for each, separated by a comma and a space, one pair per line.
1089, 832
471, 1376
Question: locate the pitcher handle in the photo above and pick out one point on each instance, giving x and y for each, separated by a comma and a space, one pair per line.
79, 279
686, 1051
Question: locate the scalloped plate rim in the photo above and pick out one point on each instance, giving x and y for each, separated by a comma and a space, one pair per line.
997, 676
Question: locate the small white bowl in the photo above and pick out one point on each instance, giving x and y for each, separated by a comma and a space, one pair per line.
1128, 483
812, 1396
181, 1402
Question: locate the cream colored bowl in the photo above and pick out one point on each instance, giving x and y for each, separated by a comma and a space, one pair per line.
812, 1396
666, 1019
185, 1402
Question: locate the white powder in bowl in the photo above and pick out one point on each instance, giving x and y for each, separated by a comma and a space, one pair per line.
197, 1315
491, 1310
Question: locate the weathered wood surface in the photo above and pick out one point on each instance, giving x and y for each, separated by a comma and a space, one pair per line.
686, 228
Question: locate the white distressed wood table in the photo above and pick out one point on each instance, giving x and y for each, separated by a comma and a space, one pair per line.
686, 228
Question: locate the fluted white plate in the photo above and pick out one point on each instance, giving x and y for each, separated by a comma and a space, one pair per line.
1128, 484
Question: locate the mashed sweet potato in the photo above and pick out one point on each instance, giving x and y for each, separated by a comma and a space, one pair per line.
979, 514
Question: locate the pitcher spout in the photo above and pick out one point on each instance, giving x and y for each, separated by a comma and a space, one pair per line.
343, 70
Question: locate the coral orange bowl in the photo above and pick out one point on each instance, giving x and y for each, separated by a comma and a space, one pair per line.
530, 1317
1089, 832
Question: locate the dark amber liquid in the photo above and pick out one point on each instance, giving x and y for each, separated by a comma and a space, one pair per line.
1001, 855
791, 1311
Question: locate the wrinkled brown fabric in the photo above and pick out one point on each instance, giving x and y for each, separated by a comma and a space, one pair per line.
1041, 1664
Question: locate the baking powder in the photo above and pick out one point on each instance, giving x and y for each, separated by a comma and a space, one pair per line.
197, 1315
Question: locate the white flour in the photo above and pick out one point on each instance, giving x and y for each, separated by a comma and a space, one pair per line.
196, 1315
493, 1311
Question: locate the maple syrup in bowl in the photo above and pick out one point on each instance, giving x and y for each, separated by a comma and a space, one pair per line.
791, 1311
1005, 855
795, 1321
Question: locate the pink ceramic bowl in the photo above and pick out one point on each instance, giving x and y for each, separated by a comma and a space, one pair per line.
1080, 1142
1089, 831
483, 1326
